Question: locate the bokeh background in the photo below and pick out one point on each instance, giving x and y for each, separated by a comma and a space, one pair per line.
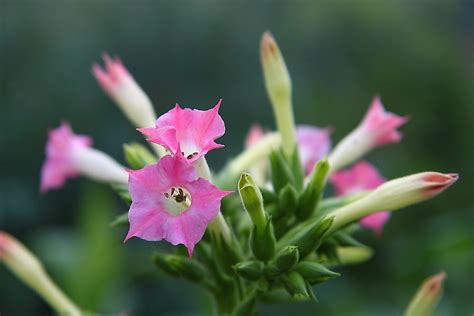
418, 55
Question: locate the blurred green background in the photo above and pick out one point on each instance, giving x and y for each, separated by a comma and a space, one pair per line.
417, 54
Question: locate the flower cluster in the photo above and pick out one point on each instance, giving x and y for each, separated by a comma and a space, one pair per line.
281, 234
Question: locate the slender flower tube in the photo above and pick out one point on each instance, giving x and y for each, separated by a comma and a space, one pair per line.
361, 177
313, 144
194, 131
29, 270
278, 85
378, 128
170, 201
393, 195
121, 87
69, 155
427, 297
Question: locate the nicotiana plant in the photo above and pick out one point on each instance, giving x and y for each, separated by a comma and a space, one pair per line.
262, 229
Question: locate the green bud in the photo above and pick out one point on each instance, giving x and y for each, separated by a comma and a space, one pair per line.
287, 201
138, 156
313, 271
268, 196
281, 171
297, 169
252, 200
227, 252
249, 270
312, 194
353, 255
306, 236
295, 285
263, 242
427, 297
287, 258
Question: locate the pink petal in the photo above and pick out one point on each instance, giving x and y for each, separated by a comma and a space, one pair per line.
254, 135
112, 76
313, 144
362, 176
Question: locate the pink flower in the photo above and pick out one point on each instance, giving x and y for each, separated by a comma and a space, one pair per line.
254, 134
194, 130
68, 155
170, 202
382, 124
58, 165
362, 176
313, 144
378, 128
117, 82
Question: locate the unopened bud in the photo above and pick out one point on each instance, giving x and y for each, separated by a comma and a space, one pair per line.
252, 200
263, 242
278, 84
281, 171
295, 285
249, 270
393, 195
314, 272
287, 258
425, 300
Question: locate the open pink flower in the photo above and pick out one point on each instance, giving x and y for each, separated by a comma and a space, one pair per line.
69, 155
170, 202
313, 144
194, 130
362, 176
58, 165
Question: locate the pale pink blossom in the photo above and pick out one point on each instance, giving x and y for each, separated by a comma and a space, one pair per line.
313, 144
170, 202
378, 128
194, 131
361, 177
254, 134
69, 155
117, 82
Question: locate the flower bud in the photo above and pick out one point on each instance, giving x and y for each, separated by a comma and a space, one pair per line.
378, 128
393, 195
314, 272
287, 258
287, 202
278, 85
353, 255
306, 236
249, 270
263, 242
252, 200
29, 270
281, 171
138, 156
117, 82
295, 285
425, 300
312, 194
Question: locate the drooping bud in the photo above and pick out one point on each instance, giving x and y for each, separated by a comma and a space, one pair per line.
393, 195
181, 266
378, 128
29, 270
278, 85
287, 258
314, 272
312, 194
306, 236
138, 156
425, 300
249, 270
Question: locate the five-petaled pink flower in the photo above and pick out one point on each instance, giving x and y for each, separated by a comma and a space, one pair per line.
170, 202
361, 177
313, 144
194, 131
62, 142
69, 155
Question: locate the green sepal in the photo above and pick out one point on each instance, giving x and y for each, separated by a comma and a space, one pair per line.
287, 201
263, 242
313, 271
177, 265
159, 259
281, 171
138, 156
269, 196
287, 258
309, 200
297, 169
310, 291
306, 236
249, 270
295, 285
247, 306
226, 253
120, 220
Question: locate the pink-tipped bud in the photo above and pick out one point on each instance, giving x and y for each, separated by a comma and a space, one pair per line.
427, 297
394, 195
117, 82
378, 128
